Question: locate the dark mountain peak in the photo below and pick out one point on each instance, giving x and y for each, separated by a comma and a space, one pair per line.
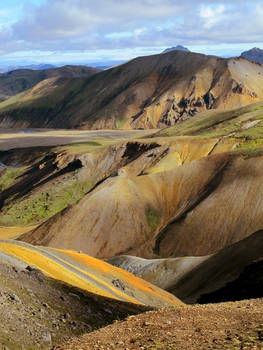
177, 48
255, 54
256, 49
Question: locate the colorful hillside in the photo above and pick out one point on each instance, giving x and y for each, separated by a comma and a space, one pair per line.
89, 274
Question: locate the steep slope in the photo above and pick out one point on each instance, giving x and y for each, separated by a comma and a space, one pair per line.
16, 81
87, 273
38, 182
255, 55
38, 312
147, 92
233, 273
221, 268
164, 273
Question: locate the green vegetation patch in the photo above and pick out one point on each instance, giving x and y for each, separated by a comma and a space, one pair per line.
80, 147
252, 133
120, 122
39, 206
247, 144
153, 218
8, 177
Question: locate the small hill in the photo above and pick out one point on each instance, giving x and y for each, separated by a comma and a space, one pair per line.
255, 55
176, 48
221, 326
147, 92
16, 81
87, 273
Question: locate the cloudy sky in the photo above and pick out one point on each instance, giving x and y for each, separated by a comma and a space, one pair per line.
100, 30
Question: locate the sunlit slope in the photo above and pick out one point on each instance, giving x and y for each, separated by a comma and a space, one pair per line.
19, 80
243, 125
13, 232
147, 92
89, 274
194, 209
39, 182
164, 273
126, 213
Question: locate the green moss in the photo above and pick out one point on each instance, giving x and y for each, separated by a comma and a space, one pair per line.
36, 207
153, 218
252, 133
246, 144
81, 147
9, 176
120, 122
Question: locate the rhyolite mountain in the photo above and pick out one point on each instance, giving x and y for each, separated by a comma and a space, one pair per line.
147, 92
255, 55
16, 81
176, 48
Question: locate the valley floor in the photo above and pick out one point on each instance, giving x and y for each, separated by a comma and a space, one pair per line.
19, 138
232, 325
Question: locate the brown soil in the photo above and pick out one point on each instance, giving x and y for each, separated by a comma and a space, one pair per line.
237, 325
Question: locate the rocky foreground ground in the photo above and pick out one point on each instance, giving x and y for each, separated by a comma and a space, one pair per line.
37, 312
233, 325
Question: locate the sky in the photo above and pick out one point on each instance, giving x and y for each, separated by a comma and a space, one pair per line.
83, 31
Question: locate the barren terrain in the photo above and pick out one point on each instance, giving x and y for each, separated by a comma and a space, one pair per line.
232, 326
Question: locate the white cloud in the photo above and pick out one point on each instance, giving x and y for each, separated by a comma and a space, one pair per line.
211, 14
63, 25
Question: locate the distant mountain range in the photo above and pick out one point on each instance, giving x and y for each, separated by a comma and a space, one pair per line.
41, 66
177, 48
255, 55
16, 81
